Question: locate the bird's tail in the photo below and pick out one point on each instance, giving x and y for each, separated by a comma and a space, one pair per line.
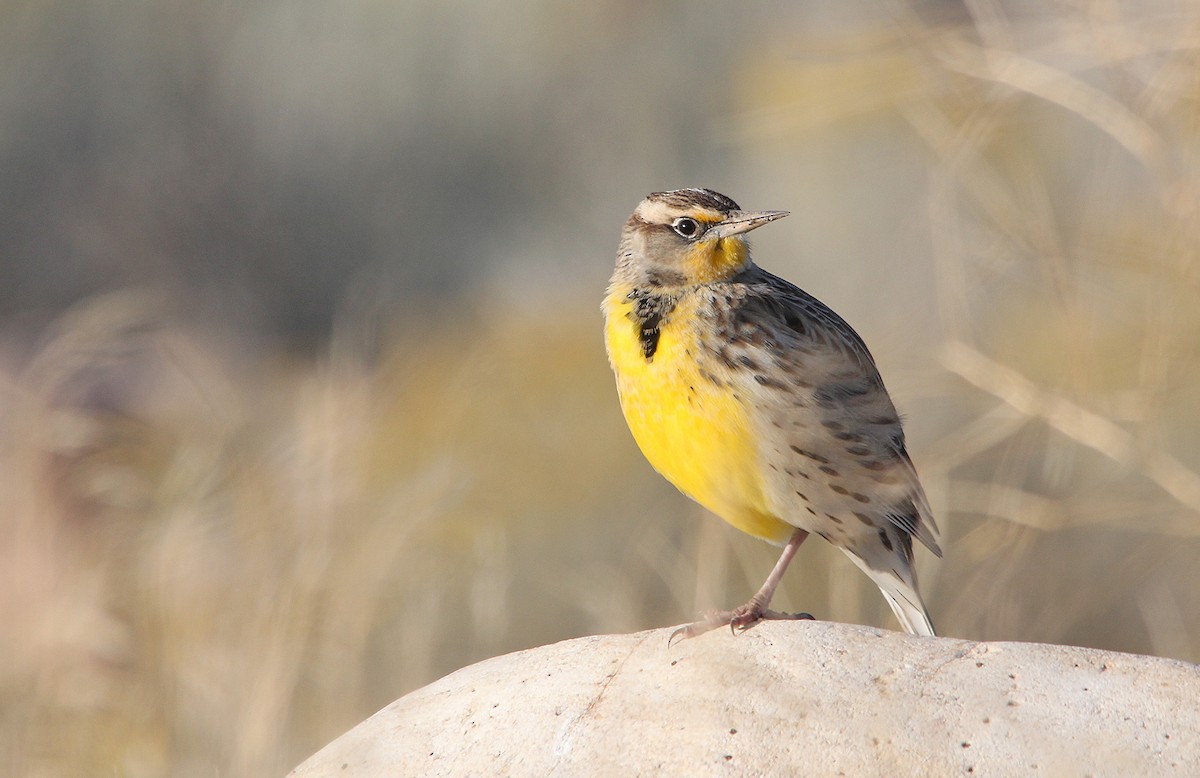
901, 593
906, 604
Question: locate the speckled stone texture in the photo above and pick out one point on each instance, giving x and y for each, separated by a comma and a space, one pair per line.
787, 698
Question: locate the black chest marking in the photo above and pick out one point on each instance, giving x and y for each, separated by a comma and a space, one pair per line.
650, 311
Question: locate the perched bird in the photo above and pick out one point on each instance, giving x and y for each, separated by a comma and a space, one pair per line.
758, 401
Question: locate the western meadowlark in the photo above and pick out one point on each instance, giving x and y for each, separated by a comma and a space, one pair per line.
757, 401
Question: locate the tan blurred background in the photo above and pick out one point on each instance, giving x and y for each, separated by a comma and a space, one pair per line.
303, 398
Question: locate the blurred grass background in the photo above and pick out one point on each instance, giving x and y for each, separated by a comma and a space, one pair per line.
304, 397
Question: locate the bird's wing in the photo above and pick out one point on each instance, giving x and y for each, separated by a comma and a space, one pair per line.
828, 415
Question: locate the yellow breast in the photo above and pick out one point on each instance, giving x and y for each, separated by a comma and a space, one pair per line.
692, 430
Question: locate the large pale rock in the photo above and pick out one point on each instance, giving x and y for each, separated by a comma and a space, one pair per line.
787, 698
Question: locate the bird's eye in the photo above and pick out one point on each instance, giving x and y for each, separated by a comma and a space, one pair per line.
686, 227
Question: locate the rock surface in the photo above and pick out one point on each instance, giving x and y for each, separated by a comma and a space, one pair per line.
787, 698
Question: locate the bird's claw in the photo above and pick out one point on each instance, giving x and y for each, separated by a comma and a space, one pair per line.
685, 631
739, 620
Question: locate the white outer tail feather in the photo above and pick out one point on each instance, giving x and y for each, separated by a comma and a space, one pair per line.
902, 595
912, 616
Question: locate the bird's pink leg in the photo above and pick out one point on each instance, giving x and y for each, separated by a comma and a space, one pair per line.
755, 610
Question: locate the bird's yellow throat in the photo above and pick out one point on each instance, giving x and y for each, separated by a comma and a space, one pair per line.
716, 260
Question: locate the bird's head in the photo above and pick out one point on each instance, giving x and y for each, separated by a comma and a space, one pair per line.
687, 237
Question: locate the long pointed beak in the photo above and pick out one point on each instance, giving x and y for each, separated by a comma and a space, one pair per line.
739, 222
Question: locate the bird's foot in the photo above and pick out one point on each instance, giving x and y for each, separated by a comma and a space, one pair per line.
739, 619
